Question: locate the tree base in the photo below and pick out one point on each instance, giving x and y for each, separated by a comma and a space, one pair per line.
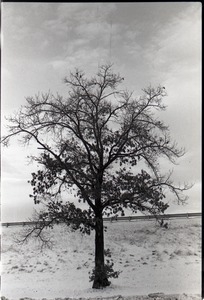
100, 283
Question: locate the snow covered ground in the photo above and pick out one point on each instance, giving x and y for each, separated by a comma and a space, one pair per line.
152, 259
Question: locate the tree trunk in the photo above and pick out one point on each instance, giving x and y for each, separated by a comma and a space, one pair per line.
100, 279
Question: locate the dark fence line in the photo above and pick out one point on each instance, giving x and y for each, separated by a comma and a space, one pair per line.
130, 218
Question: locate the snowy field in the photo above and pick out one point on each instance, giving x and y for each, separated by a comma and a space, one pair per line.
152, 259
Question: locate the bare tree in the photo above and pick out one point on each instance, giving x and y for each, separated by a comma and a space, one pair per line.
98, 136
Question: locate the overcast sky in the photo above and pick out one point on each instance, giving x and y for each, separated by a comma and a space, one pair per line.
149, 43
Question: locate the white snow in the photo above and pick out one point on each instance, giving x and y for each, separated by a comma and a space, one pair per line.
152, 259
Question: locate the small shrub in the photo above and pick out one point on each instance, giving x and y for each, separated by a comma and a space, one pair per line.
14, 267
108, 269
107, 252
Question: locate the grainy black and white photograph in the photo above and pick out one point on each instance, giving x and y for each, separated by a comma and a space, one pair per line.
101, 151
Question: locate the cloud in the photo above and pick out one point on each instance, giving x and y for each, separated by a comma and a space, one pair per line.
85, 12
57, 27
178, 44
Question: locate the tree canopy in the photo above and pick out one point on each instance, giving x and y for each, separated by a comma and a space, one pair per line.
93, 142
